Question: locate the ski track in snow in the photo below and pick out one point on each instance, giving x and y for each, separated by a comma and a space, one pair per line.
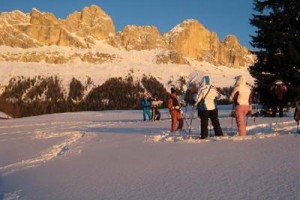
53, 152
69, 133
12, 195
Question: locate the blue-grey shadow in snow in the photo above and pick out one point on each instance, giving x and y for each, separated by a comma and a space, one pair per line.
124, 130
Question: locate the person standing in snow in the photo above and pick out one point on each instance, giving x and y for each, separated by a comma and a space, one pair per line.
155, 103
205, 100
278, 91
242, 98
174, 108
146, 103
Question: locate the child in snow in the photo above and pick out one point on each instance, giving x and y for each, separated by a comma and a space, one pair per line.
146, 103
155, 103
174, 108
278, 90
242, 98
205, 100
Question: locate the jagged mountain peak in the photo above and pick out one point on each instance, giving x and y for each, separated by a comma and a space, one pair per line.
12, 18
85, 28
86, 44
185, 25
42, 18
35, 10
93, 10
91, 21
134, 37
231, 40
90, 15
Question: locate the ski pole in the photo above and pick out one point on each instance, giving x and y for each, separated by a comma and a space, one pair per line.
231, 128
192, 115
200, 126
188, 122
208, 128
188, 125
191, 121
232, 116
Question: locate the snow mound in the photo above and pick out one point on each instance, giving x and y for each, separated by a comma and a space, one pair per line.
195, 139
258, 131
4, 116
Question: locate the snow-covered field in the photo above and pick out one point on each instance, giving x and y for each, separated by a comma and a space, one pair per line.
114, 155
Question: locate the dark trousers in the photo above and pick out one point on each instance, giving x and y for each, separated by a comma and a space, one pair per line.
213, 116
278, 104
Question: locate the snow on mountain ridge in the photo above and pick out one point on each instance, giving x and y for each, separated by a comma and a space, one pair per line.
134, 63
85, 28
180, 27
167, 59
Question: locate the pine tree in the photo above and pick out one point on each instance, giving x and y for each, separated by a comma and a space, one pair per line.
277, 46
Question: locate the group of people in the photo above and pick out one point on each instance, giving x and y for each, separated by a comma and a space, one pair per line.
205, 102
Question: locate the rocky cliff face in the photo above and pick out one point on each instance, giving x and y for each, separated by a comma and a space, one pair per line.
231, 52
139, 38
193, 40
59, 57
80, 29
91, 21
84, 29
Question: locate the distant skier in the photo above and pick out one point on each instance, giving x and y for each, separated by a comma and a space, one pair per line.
175, 111
205, 100
146, 103
242, 98
278, 91
297, 115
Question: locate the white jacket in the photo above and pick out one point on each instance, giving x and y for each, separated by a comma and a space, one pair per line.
242, 90
209, 102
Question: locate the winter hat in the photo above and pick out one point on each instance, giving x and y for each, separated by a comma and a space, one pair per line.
240, 80
173, 90
205, 81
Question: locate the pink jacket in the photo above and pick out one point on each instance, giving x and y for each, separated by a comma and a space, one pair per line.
241, 93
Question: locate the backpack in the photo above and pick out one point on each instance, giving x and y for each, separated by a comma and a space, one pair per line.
279, 91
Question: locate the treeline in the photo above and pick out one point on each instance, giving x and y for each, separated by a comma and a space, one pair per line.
39, 95
35, 96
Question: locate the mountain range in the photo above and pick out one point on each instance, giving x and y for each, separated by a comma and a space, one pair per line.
83, 29
87, 47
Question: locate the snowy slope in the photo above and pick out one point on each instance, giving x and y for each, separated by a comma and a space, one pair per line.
115, 155
135, 63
